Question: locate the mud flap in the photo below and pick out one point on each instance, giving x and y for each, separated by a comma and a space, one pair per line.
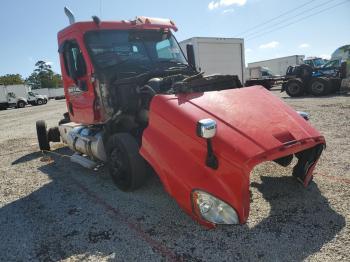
307, 160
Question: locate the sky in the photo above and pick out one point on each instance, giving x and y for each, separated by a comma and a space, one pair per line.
270, 28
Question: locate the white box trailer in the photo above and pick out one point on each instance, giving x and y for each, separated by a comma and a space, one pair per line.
50, 92
279, 66
56, 92
3, 95
42, 91
24, 91
19, 90
10, 99
218, 55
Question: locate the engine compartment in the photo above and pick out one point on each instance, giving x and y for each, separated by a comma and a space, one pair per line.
127, 100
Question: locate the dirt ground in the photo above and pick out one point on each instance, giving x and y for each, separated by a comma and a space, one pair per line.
54, 210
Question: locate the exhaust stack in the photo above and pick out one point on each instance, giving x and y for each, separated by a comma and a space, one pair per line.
70, 15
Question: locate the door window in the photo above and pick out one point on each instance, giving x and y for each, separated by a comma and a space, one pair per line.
74, 63
165, 50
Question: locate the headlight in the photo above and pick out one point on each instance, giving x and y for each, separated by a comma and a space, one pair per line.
213, 209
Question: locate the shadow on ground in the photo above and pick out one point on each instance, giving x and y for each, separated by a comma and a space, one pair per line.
61, 220
308, 96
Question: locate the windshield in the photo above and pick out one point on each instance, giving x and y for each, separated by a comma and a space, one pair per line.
332, 63
139, 50
319, 62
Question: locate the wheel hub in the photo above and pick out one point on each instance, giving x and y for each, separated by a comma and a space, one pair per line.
293, 88
318, 87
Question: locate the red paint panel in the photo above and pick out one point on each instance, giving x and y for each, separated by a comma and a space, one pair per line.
252, 126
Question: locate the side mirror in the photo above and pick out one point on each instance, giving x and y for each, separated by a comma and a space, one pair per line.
190, 56
206, 128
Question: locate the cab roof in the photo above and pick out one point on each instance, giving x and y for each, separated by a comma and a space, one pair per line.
140, 22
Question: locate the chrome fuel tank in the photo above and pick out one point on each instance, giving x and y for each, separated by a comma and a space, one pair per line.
84, 139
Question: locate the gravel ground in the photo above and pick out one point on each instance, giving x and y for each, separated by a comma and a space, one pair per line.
54, 210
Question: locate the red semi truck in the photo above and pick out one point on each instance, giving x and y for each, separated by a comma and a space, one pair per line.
134, 101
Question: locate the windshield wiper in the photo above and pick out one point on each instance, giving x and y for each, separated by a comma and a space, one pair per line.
175, 65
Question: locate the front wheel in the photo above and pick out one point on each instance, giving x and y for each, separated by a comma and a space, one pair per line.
126, 166
294, 88
42, 134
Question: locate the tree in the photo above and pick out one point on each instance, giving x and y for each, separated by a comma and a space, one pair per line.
43, 77
11, 79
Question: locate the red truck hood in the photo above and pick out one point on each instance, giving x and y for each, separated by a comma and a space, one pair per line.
256, 114
253, 126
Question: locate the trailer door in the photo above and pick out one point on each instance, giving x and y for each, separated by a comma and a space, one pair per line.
220, 57
3, 95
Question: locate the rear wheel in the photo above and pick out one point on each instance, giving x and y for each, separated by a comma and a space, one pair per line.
294, 88
126, 166
40, 102
335, 84
53, 134
21, 104
319, 86
42, 134
267, 85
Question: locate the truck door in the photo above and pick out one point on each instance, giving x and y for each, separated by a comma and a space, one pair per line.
11, 98
77, 82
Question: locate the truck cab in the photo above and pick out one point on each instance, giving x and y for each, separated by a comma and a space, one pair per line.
136, 104
36, 99
315, 62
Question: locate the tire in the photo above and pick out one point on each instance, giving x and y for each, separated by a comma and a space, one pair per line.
305, 72
294, 88
267, 85
21, 104
45, 101
42, 134
53, 134
125, 165
40, 102
319, 86
335, 84
63, 121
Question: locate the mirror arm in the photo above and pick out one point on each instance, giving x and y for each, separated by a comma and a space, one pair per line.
212, 160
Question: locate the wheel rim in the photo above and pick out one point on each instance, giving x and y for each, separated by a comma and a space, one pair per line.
119, 168
293, 88
39, 102
317, 87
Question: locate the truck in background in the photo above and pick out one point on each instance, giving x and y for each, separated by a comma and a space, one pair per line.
217, 55
25, 91
278, 66
51, 93
332, 77
315, 62
261, 76
9, 99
